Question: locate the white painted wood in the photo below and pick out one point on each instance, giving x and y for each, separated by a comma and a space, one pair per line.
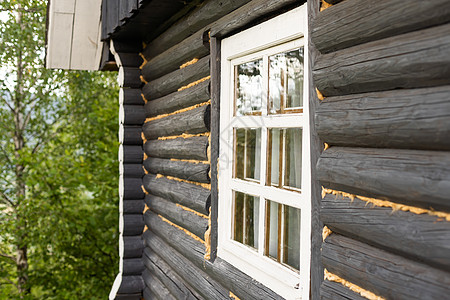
85, 39
116, 286
74, 35
59, 40
283, 33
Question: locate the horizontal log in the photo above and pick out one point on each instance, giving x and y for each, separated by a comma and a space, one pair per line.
385, 274
130, 135
133, 60
176, 214
131, 114
131, 284
193, 274
193, 121
411, 60
180, 148
341, 27
133, 206
170, 82
207, 13
197, 172
129, 77
186, 194
133, 266
156, 287
171, 59
131, 154
132, 246
333, 2
178, 100
337, 291
128, 96
242, 285
421, 237
418, 178
249, 13
171, 280
412, 119
132, 170
133, 224
132, 188
135, 296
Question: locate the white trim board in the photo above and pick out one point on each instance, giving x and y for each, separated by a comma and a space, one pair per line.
74, 34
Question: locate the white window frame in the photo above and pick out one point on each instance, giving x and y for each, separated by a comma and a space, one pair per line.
283, 33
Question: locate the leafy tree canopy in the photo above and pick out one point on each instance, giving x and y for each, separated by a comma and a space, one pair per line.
58, 172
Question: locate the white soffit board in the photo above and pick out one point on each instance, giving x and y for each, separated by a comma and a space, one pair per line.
74, 35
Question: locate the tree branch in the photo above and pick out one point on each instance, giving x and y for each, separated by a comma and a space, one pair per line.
8, 104
31, 105
6, 199
6, 155
8, 256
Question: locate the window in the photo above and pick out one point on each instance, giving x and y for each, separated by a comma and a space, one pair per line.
264, 169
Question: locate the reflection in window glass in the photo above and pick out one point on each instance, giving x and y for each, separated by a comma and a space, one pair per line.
247, 153
293, 158
285, 81
248, 85
284, 157
246, 219
282, 234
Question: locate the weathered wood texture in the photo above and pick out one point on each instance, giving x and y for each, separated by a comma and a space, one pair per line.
186, 194
179, 148
132, 115
411, 60
133, 170
132, 246
165, 273
250, 13
130, 135
214, 136
357, 22
131, 96
147, 294
133, 266
316, 147
178, 215
337, 291
231, 278
178, 100
193, 274
197, 172
133, 206
421, 237
411, 119
201, 17
171, 59
333, 1
135, 296
381, 272
156, 287
131, 284
410, 176
193, 121
170, 82
131, 154
130, 77
133, 224
132, 188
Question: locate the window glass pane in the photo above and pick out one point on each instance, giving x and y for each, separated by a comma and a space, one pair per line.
293, 157
248, 85
291, 253
272, 229
285, 81
294, 66
246, 219
247, 156
273, 161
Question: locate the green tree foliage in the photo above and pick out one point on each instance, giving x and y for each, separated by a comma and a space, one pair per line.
58, 172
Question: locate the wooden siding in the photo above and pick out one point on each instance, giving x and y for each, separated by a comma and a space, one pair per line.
383, 70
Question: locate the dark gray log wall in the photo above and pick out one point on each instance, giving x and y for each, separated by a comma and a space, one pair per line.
176, 131
383, 69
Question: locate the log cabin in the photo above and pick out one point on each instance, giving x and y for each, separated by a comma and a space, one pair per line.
274, 149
